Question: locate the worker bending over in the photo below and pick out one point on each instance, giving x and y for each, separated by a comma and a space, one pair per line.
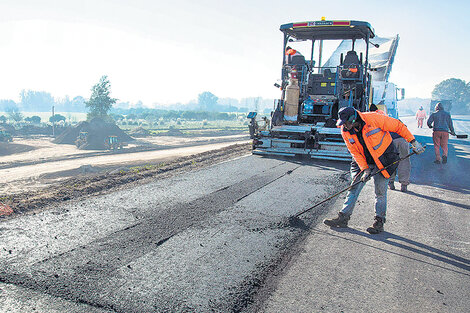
368, 140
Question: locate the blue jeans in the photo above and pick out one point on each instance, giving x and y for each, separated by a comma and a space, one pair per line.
380, 183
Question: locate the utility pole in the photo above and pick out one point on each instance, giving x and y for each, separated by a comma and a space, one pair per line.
53, 120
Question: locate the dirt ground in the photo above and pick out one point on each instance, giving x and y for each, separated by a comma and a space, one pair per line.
89, 183
13, 148
31, 164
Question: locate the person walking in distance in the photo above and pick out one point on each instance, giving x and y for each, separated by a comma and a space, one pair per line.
403, 170
367, 138
421, 117
441, 123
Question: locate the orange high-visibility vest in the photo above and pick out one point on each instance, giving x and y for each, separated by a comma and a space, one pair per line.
292, 52
376, 137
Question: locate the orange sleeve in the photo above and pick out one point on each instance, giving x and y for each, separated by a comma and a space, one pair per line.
391, 124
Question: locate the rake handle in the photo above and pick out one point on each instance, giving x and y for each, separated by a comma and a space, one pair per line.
353, 184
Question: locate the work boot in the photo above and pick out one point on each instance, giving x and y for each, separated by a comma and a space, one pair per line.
391, 185
404, 188
444, 159
341, 221
377, 227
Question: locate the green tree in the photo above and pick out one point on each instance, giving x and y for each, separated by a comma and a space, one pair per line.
36, 101
207, 101
56, 118
14, 113
77, 104
116, 117
456, 90
100, 101
33, 119
6, 103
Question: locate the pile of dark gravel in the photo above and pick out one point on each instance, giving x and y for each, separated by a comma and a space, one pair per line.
98, 130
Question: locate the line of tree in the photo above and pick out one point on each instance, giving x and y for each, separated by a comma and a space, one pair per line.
156, 114
57, 118
41, 101
33, 119
100, 103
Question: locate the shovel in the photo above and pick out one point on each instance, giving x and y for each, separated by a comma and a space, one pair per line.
460, 136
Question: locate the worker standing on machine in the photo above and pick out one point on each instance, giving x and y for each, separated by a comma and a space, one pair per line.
368, 140
441, 129
420, 116
290, 53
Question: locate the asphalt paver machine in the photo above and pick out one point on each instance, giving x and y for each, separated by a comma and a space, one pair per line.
304, 119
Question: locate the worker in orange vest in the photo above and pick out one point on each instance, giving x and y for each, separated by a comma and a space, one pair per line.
421, 116
367, 138
290, 53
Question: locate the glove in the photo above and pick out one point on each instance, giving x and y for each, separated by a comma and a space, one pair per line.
417, 147
365, 175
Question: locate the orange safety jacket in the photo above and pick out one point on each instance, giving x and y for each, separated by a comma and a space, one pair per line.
377, 139
290, 53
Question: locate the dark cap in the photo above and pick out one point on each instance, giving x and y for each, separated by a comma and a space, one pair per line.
373, 108
346, 114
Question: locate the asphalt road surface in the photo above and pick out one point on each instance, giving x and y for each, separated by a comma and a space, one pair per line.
218, 239
194, 243
421, 263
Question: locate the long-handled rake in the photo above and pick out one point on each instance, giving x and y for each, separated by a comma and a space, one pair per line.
294, 218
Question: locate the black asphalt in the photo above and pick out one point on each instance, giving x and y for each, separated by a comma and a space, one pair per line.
195, 242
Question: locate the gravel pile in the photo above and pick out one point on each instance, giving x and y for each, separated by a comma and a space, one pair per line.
140, 132
98, 130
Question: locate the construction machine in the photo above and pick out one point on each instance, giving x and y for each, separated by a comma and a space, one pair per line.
113, 143
82, 139
304, 119
384, 94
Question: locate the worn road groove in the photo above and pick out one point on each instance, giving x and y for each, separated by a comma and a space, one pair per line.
202, 240
82, 273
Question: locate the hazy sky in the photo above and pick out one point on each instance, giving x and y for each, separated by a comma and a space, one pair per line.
170, 51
